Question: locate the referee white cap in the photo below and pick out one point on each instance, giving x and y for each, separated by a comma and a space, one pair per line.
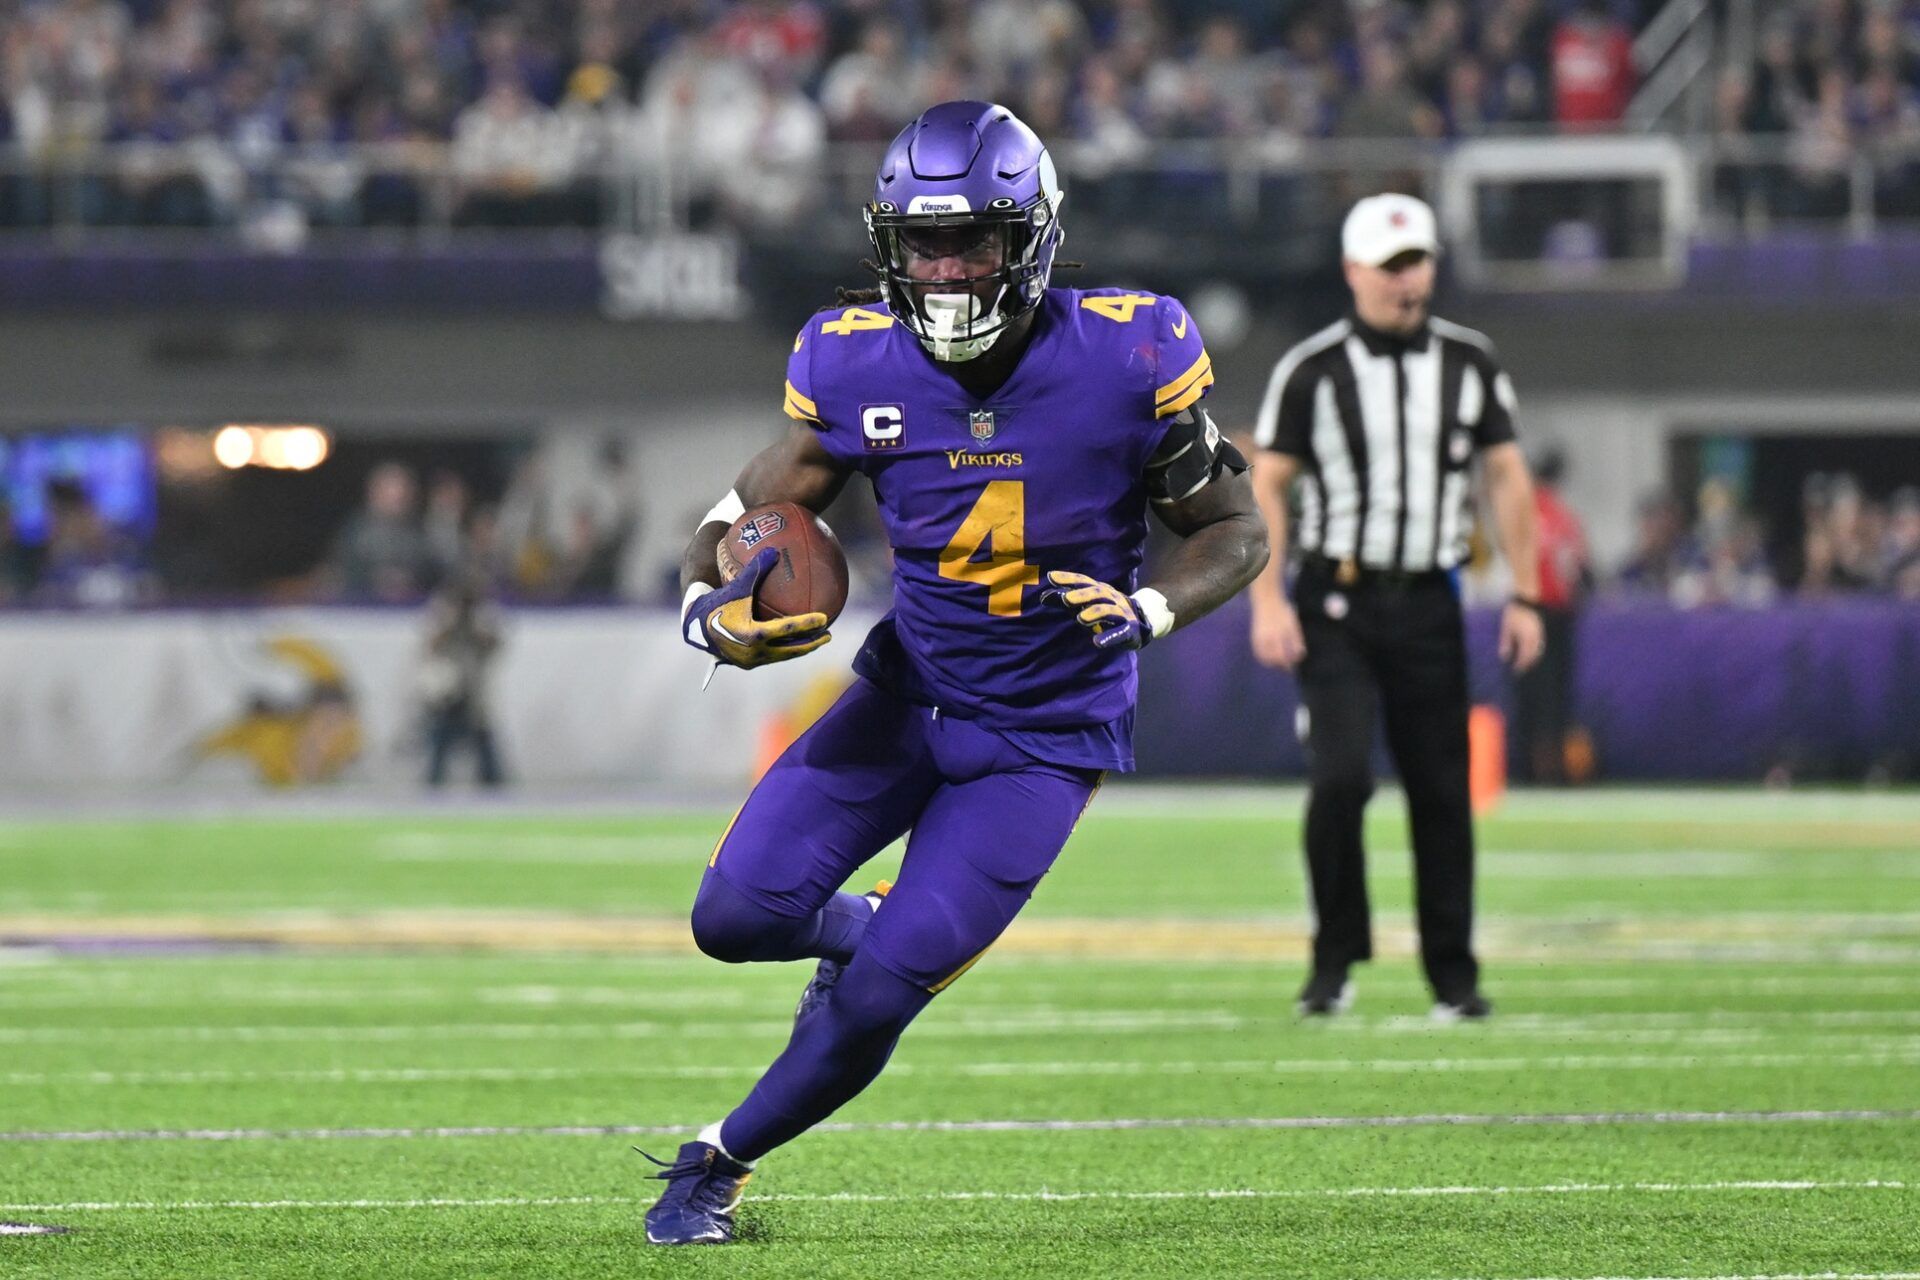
1380, 228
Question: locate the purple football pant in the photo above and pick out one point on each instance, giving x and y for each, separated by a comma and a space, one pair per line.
987, 821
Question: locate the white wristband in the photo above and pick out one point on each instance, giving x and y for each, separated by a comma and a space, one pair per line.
1153, 611
726, 511
696, 634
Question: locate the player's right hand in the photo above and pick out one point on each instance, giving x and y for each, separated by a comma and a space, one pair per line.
721, 622
1277, 639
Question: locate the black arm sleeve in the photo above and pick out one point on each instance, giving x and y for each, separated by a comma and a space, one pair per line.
1191, 456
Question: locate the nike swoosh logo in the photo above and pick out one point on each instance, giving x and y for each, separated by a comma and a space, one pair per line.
1180, 327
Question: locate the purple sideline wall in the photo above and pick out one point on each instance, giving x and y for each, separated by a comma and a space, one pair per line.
1829, 690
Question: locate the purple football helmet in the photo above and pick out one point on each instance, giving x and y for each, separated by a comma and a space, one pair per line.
968, 185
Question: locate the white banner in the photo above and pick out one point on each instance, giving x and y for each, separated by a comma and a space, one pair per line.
290, 697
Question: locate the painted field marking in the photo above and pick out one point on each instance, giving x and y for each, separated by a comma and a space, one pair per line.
1046, 1023
1907, 1054
1139, 1124
540, 847
1043, 1020
1043, 1194
1638, 865
642, 995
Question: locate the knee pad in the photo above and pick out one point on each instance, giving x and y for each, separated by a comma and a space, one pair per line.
729, 926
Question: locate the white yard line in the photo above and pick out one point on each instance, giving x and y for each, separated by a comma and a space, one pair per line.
1141, 1124
1904, 1052
1031, 1020
1045, 1022
1043, 1195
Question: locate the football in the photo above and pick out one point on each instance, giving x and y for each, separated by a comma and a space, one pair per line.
811, 575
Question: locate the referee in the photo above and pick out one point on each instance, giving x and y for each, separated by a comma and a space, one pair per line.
1379, 416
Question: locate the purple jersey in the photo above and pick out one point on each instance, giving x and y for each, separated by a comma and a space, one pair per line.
982, 498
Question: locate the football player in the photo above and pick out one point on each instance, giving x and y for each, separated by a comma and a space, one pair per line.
1016, 436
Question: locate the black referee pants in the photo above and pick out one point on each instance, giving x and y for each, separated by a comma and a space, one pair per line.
1392, 645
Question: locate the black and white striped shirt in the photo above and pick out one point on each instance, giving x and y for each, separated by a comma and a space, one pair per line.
1386, 429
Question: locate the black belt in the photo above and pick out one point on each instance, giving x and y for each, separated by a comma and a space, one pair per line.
1351, 573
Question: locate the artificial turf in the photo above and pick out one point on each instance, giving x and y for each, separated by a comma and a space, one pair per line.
1705, 1060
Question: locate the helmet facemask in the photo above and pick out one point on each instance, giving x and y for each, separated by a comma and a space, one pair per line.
1007, 255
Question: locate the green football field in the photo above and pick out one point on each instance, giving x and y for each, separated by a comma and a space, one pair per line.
426, 1043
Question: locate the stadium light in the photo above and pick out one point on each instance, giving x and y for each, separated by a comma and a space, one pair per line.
278, 448
233, 447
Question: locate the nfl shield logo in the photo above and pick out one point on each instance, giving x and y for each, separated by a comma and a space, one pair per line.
762, 527
981, 420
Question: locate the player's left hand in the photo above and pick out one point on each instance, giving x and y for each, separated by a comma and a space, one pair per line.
1108, 612
1523, 637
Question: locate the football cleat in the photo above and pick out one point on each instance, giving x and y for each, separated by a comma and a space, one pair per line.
704, 1187
1327, 992
1471, 1007
828, 971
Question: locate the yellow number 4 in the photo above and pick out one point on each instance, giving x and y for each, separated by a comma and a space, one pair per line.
1119, 308
855, 318
997, 524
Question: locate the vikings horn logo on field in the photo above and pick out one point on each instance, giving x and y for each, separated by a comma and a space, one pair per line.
762, 527
981, 421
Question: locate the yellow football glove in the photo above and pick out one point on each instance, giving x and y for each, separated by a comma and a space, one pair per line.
1107, 611
721, 623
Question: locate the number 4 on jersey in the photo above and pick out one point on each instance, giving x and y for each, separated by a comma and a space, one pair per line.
998, 525
1119, 307
854, 319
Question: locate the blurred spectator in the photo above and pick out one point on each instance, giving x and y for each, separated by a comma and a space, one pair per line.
18, 568
590, 556
463, 642
1822, 149
1889, 121
1900, 572
1385, 106
868, 94
531, 101
87, 562
766, 162
510, 156
381, 553
1728, 563
1592, 68
445, 526
1659, 546
1545, 690
785, 37
1009, 39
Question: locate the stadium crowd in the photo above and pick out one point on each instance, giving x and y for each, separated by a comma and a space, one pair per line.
1848, 544
536, 542
1833, 82
527, 97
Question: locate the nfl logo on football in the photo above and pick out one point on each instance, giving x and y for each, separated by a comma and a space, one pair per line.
981, 420
762, 527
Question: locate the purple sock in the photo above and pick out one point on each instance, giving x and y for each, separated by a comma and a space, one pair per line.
835, 1052
732, 927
